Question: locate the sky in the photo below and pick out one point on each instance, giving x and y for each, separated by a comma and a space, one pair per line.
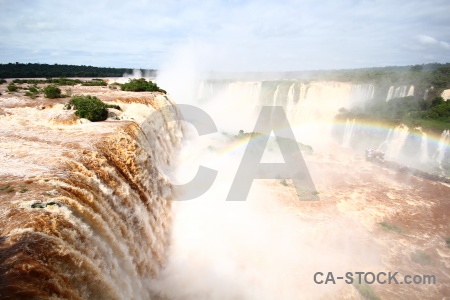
233, 35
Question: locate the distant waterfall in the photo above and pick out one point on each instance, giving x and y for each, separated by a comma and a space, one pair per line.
275, 96
360, 92
290, 105
423, 146
348, 132
390, 93
443, 143
383, 146
247, 91
399, 92
397, 140
411, 91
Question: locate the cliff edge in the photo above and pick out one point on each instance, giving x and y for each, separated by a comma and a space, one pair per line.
85, 207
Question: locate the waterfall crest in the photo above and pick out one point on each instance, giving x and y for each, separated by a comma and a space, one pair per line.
93, 221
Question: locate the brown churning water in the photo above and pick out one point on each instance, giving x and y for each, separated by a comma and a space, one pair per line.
85, 208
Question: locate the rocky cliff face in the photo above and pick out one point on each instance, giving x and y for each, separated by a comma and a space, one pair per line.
85, 207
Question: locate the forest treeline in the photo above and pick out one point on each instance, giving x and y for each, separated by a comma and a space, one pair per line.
36, 70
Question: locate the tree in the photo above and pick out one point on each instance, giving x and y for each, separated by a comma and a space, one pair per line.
416, 68
141, 85
52, 92
89, 107
12, 88
437, 101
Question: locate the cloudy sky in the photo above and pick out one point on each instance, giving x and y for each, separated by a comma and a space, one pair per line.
264, 35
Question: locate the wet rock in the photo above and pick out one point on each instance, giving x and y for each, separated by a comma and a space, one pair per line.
84, 121
114, 113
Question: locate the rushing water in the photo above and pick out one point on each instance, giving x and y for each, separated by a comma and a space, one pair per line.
270, 245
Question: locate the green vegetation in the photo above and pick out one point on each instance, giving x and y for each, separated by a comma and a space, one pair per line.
390, 227
23, 191
366, 292
438, 109
440, 78
52, 91
141, 85
95, 82
32, 92
2, 81
90, 107
283, 182
431, 113
29, 70
55, 81
12, 88
421, 258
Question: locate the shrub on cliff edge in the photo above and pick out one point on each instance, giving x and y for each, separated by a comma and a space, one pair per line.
89, 107
141, 85
52, 91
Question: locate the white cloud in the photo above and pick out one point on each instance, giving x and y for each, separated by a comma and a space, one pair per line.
429, 40
445, 45
426, 39
243, 35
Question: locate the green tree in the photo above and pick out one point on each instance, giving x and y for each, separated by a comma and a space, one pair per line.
141, 85
416, 68
89, 107
12, 88
437, 101
52, 91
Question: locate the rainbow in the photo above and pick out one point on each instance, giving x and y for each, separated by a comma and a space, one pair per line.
380, 128
377, 126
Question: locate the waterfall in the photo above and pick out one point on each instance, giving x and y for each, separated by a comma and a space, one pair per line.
442, 146
95, 218
446, 94
425, 94
361, 92
411, 91
244, 93
400, 92
423, 146
290, 105
390, 93
397, 140
348, 132
384, 144
372, 91
275, 96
